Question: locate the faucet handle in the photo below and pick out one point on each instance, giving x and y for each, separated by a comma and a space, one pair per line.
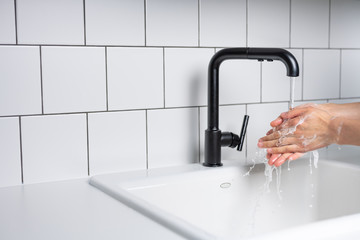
243, 132
229, 139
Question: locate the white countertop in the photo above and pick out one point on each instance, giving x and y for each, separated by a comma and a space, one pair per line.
71, 210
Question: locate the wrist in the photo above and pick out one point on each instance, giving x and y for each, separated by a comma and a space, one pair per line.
336, 127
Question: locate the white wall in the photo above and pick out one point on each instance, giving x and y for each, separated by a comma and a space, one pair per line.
97, 86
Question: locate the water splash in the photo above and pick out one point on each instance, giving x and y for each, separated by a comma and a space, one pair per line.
314, 157
260, 156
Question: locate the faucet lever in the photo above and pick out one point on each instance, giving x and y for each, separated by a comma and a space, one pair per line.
229, 139
243, 132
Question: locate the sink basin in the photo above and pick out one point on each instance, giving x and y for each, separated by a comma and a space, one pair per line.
224, 203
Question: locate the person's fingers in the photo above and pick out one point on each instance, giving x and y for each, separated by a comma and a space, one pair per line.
278, 121
270, 132
282, 141
295, 156
272, 136
285, 149
293, 113
280, 160
273, 158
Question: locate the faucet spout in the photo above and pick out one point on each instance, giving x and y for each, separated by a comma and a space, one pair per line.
213, 134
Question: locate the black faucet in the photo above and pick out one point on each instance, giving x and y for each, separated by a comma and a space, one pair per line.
214, 138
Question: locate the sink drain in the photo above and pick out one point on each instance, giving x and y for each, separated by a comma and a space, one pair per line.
225, 185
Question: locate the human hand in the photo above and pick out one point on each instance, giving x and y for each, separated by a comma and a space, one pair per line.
279, 159
302, 129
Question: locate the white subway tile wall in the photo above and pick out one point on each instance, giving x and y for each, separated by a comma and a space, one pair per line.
172, 23
222, 23
7, 22
135, 78
90, 86
54, 147
321, 74
117, 141
344, 24
268, 23
110, 22
10, 159
350, 74
20, 82
310, 30
50, 22
73, 79
173, 136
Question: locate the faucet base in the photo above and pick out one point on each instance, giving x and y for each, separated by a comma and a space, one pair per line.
212, 164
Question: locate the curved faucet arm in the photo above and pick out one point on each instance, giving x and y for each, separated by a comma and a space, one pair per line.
260, 54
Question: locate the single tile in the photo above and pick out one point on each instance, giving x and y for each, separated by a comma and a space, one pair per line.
115, 22
223, 23
268, 23
20, 83
171, 23
321, 74
239, 81
259, 124
344, 22
173, 137
130, 88
186, 72
10, 162
117, 141
350, 75
275, 82
50, 21
54, 147
312, 30
230, 120
7, 22
74, 79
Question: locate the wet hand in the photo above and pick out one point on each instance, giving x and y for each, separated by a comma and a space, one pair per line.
302, 129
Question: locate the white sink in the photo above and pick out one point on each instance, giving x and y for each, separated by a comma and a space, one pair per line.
221, 203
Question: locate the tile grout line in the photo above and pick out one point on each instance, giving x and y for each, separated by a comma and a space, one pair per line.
16, 23
155, 46
87, 143
199, 134
145, 26
106, 79
290, 4
340, 72
247, 23
303, 75
84, 22
147, 139
329, 35
21, 152
164, 83
41, 81
167, 108
198, 23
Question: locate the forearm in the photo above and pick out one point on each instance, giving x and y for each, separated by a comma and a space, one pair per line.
348, 131
347, 110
